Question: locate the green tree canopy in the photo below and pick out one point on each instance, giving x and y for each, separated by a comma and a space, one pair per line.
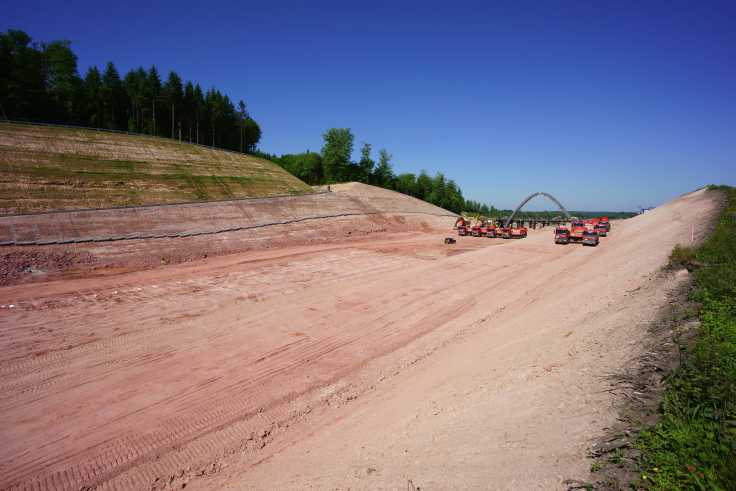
41, 83
366, 163
383, 175
62, 80
306, 166
336, 153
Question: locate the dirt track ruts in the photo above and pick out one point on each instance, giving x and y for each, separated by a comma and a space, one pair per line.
194, 373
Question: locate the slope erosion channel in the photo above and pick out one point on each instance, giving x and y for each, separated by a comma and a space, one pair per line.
356, 364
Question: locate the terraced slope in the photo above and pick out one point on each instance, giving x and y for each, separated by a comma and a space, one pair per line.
53, 168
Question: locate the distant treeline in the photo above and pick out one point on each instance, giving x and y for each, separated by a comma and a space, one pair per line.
41, 83
613, 215
333, 164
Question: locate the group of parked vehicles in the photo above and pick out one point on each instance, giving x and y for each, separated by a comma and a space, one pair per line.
487, 228
586, 232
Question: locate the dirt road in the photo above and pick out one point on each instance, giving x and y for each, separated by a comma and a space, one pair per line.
358, 365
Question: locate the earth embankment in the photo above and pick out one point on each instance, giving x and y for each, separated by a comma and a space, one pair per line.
134, 237
44, 168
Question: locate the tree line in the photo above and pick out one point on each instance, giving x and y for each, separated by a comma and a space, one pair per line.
40, 82
333, 164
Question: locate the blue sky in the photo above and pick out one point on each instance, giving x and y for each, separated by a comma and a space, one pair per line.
607, 105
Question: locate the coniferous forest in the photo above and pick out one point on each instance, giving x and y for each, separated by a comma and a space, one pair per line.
40, 82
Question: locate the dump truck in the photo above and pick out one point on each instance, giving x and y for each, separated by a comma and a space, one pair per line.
511, 232
577, 228
462, 225
590, 238
601, 230
518, 232
562, 235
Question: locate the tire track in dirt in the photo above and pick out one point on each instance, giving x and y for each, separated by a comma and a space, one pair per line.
172, 434
123, 451
136, 338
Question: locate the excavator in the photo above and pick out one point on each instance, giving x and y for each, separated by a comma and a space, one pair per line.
484, 227
480, 229
465, 226
462, 225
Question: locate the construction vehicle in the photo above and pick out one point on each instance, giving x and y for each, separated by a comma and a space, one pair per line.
590, 238
462, 225
503, 232
577, 228
511, 232
483, 227
601, 230
562, 235
518, 232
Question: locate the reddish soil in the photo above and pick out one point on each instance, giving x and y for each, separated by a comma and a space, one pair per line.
107, 238
347, 364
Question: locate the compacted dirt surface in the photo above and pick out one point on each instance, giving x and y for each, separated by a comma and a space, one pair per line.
381, 362
111, 240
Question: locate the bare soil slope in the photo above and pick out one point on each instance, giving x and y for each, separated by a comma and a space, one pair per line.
48, 244
51, 168
357, 364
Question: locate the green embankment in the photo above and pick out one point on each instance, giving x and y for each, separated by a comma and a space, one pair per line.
694, 444
52, 168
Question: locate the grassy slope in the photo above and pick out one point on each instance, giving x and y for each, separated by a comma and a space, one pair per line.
694, 444
46, 168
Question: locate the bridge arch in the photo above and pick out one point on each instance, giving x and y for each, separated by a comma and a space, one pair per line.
529, 198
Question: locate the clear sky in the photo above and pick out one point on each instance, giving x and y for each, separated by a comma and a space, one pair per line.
606, 105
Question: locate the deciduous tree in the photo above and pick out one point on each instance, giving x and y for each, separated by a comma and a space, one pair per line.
336, 152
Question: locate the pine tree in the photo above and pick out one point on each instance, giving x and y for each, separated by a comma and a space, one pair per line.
93, 98
366, 162
173, 94
383, 175
113, 96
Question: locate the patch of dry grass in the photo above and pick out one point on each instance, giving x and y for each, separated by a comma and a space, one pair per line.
50, 168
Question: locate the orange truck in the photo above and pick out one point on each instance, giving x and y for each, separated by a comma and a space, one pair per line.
463, 226
577, 229
484, 228
518, 232
511, 233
